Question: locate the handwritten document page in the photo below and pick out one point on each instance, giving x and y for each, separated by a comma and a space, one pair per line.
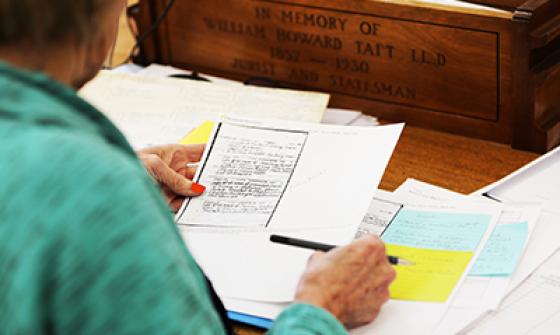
447, 241
151, 110
532, 309
246, 175
279, 177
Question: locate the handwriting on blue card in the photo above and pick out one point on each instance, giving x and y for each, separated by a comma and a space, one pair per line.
437, 230
502, 252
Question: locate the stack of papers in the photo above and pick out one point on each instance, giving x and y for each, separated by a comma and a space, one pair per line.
152, 111
443, 239
260, 176
335, 116
471, 251
487, 263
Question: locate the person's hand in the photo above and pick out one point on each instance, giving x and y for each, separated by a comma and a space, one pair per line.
168, 166
351, 282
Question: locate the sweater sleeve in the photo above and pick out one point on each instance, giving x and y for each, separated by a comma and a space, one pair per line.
304, 319
115, 262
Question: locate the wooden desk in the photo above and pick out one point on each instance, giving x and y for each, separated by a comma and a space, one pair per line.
458, 163
455, 162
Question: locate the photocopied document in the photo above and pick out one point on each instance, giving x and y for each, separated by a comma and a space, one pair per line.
413, 191
336, 116
533, 308
303, 180
378, 217
530, 183
502, 258
535, 182
152, 110
247, 173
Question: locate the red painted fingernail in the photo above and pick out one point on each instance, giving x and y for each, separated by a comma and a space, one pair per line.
197, 188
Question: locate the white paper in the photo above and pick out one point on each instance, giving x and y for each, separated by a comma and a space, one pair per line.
396, 317
523, 174
342, 117
365, 121
456, 319
416, 191
315, 205
128, 69
153, 111
248, 265
404, 317
520, 185
460, 4
538, 181
533, 308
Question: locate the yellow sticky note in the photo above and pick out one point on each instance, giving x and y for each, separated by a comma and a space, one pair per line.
200, 134
433, 276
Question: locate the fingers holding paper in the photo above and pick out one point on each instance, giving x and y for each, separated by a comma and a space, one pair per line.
171, 166
351, 282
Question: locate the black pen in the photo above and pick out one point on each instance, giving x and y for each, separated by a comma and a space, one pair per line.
296, 242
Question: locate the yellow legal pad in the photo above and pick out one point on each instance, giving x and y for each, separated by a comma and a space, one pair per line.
200, 134
433, 276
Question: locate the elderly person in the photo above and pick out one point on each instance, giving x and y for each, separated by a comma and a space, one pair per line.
87, 242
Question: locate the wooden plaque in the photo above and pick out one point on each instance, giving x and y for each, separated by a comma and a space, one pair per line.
466, 71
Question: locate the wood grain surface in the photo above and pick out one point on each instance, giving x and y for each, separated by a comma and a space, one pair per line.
455, 162
476, 72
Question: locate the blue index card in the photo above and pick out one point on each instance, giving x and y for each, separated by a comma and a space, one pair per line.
502, 252
252, 320
437, 230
